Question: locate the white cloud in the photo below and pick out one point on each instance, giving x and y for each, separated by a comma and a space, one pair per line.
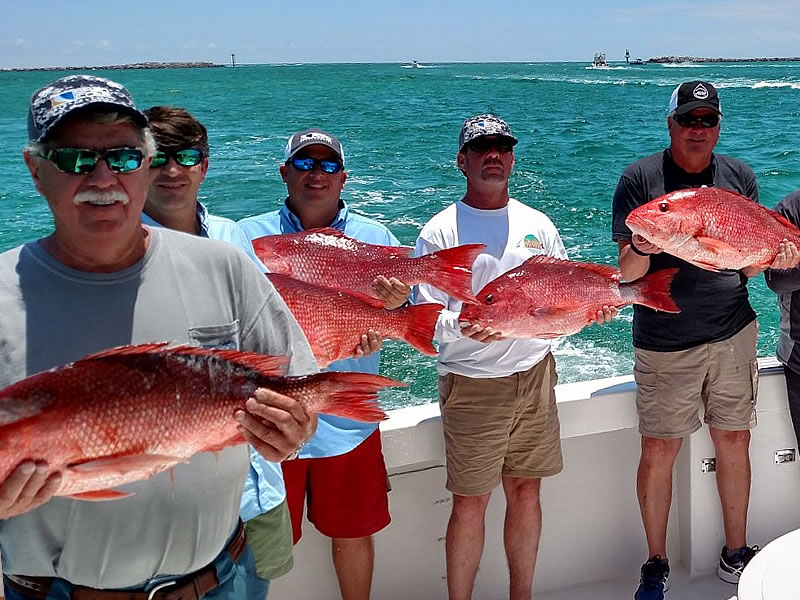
103, 44
212, 45
191, 44
20, 42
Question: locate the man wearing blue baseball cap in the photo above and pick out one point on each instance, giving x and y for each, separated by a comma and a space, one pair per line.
496, 390
100, 280
340, 474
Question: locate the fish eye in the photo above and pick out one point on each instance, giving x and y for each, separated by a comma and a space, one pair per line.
489, 299
663, 207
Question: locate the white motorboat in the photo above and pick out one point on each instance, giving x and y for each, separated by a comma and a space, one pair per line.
599, 60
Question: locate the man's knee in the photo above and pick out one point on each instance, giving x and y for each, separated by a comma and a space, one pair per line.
468, 507
730, 440
658, 451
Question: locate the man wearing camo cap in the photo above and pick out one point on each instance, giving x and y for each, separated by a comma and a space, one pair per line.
508, 383
100, 280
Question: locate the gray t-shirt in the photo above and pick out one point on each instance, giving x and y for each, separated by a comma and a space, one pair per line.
185, 289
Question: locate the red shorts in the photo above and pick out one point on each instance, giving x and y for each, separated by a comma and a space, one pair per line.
347, 494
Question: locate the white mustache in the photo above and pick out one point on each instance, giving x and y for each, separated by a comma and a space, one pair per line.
106, 197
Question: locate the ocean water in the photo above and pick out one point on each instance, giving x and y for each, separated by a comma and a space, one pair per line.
578, 128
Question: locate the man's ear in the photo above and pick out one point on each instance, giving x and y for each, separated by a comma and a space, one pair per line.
32, 162
204, 169
461, 161
283, 172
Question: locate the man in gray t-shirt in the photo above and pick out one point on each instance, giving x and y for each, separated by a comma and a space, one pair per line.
101, 279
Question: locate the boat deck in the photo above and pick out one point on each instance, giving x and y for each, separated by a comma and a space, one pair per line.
708, 587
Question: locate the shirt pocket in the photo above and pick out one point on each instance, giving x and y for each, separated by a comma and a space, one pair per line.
220, 337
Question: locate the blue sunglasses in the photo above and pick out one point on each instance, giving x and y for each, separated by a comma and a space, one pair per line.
308, 164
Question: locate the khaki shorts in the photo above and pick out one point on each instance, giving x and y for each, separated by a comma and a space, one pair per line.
722, 376
500, 427
270, 537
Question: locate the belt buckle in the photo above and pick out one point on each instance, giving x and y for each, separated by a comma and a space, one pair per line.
160, 587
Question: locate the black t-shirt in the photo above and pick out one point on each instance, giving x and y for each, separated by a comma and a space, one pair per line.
714, 306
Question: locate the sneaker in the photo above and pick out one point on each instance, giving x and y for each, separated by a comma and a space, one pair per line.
731, 564
653, 581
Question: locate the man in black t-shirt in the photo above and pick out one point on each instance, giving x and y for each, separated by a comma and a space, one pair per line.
704, 355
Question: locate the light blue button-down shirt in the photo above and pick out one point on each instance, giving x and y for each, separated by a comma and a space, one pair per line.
335, 435
264, 488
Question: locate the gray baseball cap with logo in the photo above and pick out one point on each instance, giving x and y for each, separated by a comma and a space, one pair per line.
312, 137
52, 103
486, 124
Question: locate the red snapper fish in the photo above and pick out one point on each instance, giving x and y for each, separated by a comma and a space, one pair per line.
334, 320
125, 414
713, 228
328, 257
547, 297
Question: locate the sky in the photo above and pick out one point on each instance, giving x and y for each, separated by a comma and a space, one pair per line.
48, 33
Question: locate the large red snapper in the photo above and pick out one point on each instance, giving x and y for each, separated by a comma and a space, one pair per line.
547, 297
334, 320
328, 257
713, 228
128, 413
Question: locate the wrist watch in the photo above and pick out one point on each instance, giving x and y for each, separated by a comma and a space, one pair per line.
296, 451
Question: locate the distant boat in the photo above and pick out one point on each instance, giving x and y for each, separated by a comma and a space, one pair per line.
599, 60
414, 64
638, 61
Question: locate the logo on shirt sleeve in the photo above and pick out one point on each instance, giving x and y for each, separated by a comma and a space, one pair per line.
531, 242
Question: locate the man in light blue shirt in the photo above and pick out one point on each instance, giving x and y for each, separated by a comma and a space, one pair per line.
341, 468
178, 169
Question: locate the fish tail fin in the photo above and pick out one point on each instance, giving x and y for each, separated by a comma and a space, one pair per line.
420, 323
451, 270
653, 291
353, 395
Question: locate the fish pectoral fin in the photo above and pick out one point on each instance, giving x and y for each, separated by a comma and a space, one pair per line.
546, 311
125, 464
100, 495
716, 246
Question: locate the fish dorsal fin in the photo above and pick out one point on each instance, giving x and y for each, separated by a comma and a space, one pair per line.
153, 348
787, 223
270, 366
325, 231
603, 270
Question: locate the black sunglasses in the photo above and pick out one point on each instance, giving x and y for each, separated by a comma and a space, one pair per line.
482, 145
79, 161
308, 164
188, 157
689, 120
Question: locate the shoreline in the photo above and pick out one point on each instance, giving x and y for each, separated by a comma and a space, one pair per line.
138, 65
697, 59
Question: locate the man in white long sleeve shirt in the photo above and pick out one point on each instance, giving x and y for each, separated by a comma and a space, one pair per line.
507, 383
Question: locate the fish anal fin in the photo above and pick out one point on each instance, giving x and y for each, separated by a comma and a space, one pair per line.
121, 464
100, 495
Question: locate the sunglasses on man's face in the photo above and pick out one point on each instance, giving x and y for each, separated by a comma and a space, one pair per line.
482, 145
188, 157
80, 161
308, 164
705, 121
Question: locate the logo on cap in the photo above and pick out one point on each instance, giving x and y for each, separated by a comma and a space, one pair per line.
316, 135
700, 92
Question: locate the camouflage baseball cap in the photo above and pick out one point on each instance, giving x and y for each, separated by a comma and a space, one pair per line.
481, 125
55, 101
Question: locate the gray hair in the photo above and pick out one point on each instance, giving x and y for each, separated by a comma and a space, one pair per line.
106, 118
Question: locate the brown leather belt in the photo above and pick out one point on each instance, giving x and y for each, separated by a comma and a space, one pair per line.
189, 587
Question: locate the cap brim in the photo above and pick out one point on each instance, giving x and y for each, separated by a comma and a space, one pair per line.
138, 117
514, 141
690, 106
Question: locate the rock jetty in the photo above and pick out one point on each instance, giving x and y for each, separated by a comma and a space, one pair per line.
696, 59
139, 65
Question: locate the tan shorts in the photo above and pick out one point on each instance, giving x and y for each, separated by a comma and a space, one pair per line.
500, 427
671, 386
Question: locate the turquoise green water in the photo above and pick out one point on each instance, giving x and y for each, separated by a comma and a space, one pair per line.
578, 128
